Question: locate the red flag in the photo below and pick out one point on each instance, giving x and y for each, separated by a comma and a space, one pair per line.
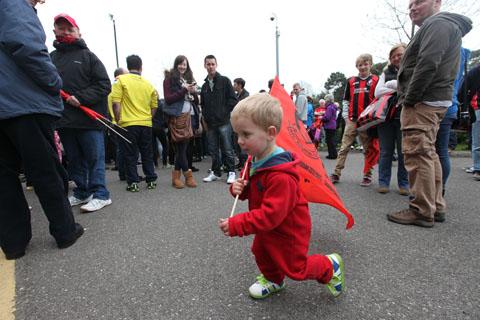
89, 112
315, 184
98, 117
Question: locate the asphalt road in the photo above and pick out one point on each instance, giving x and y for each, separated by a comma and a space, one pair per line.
160, 255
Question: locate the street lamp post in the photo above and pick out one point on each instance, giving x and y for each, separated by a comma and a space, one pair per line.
277, 35
115, 37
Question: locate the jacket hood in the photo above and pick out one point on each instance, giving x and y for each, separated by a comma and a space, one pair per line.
464, 23
79, 44
283, 162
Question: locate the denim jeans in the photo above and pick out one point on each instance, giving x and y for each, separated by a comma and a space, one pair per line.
221, 137
441, 146
85, 150
390, 137
476, 142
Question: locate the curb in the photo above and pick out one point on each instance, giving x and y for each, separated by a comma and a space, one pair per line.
460, 154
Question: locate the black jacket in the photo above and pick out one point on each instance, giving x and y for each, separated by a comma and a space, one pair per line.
84, 76
217, 104
472, 84
243, 95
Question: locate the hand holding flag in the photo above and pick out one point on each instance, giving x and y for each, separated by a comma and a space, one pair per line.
94, 115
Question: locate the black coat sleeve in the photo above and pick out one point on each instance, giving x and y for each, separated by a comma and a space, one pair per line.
22, 38
472, 83
99, 86
230, 97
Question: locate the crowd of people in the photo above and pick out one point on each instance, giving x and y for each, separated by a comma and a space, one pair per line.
220, 119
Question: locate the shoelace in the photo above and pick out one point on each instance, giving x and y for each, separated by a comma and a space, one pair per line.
261, 280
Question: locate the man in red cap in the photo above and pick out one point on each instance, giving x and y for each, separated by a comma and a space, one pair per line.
86, 80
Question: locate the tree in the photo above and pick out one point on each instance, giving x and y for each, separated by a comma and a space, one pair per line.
377, 68
336, 85
393, 17
474, 59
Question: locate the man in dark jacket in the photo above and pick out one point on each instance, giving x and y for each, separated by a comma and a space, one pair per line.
86, 80
240, 93
425, 89
29, 105
218, 100
471, 86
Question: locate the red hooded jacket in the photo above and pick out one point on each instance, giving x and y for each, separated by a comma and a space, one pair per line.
278, 211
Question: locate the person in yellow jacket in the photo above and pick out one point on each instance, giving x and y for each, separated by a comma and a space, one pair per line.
134, 102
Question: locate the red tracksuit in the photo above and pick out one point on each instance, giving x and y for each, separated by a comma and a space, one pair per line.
278, 216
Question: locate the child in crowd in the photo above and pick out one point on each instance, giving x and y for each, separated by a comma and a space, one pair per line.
359, 92
279, 215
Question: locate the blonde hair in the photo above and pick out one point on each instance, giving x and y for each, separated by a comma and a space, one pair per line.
395, 47
262, 109
364, 57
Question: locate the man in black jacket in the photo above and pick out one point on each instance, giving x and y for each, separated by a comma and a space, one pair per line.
240, 93
86, 80
218, 100
471, 85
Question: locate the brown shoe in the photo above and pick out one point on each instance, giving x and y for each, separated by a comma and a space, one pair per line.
189, 180
383, 190
439, 216
410, 217
403, 192
176, 182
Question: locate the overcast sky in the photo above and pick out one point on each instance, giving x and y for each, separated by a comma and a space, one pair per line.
316, 37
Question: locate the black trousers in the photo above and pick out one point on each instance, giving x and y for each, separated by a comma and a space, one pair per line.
141, 138
162, 136
28, 140
181, 157
331, 143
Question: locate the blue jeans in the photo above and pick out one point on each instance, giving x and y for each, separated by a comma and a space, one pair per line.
476, 142
441, 145
221, 137
85, 151
390, 136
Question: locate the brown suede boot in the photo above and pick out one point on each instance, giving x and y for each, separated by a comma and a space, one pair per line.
189, 180
176, 182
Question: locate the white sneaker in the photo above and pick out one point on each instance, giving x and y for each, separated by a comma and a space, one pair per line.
231, 177
74, 201
211, 177
95, 204
262, 288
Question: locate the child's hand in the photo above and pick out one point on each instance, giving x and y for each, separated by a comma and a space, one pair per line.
238, 185
223, 225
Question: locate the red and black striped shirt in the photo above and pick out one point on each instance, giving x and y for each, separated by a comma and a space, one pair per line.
359, 93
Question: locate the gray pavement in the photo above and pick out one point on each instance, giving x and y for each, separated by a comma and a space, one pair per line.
160, 255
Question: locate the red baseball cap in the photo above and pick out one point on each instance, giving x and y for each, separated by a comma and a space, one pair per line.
66, 17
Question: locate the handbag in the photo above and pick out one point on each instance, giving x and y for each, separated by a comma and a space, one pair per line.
378, 111
318, 135
181, 127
